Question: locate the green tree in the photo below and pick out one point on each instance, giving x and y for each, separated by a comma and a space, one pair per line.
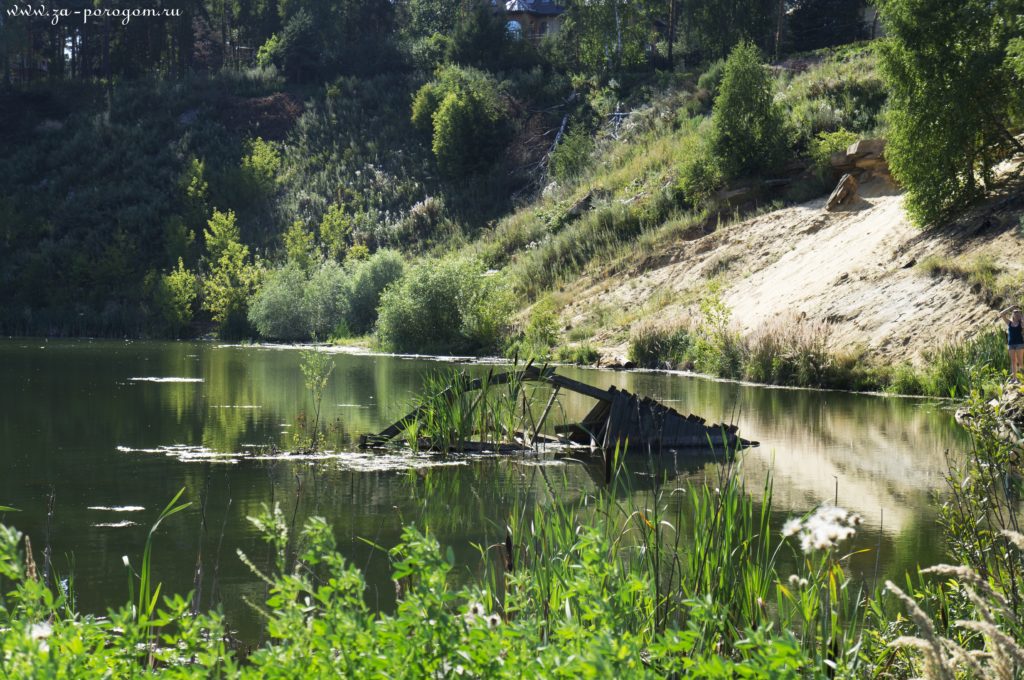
606, 35
953, 95
370, 277
335, 231
467, 119
221, 231
231, 277
445, 305
479, 38
813, 24
297, 51
714, 27
299, 246
174, 298
326, 298
260, 166
277, 310
748, 133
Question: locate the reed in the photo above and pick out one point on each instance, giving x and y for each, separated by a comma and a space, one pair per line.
449, 416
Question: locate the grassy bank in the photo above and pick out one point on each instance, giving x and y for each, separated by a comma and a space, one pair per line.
796, 352
616, 583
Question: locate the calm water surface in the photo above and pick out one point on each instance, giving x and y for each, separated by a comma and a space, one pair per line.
114, 429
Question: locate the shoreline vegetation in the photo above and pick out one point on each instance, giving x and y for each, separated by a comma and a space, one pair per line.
431, 283
618, 582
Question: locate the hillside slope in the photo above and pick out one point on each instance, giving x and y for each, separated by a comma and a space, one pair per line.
859, 269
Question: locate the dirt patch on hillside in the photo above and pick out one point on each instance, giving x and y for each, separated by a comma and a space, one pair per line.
858, 269
269, 117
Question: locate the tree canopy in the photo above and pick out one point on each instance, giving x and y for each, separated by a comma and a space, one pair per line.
955, 98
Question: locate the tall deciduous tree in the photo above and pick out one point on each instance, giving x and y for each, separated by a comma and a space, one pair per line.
608, 35
953, 93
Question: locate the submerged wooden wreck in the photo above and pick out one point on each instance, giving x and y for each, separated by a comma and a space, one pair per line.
619, 420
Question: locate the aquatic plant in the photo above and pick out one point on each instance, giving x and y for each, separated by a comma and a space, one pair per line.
317, 367
455, 412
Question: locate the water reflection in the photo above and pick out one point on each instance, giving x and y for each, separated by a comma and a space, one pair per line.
75, 422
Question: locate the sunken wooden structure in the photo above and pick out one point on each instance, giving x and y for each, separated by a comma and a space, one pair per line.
619, 420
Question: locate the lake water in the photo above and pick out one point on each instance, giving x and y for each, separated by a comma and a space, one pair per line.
110, 431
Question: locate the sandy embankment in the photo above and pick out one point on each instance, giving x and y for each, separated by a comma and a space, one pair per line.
855, 268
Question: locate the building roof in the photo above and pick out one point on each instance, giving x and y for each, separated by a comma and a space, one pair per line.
541, 7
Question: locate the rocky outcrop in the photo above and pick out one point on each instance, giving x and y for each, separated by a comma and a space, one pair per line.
844, 193
864, 160
861, 162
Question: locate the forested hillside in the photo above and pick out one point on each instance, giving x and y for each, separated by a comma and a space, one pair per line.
301, 169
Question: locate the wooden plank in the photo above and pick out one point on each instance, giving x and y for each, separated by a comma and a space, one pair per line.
581, 388
544, 416
618, 420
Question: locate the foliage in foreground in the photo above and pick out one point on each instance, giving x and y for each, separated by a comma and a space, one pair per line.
602, 586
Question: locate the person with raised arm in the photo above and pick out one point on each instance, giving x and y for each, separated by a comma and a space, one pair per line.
1014, 339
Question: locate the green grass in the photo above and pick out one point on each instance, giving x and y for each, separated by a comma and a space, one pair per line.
997, 287
582, 354
796, 353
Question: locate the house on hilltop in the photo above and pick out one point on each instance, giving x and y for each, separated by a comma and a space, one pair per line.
532, 19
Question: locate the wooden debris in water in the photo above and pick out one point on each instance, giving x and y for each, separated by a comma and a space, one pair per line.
619, 420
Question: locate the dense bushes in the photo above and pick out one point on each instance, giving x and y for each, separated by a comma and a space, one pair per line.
462, 109
323, 301
370, 278
845, 91
276, 310
449, 305
572, 156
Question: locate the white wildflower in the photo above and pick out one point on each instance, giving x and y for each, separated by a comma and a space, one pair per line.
791, 527
39, 632
493, 621
823, 530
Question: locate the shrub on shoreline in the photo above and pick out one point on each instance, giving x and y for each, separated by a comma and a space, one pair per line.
450, 305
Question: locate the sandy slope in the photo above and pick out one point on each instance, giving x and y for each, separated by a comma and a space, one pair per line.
855, 269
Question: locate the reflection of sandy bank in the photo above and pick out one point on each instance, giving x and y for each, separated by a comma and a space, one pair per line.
885, 454
875, 465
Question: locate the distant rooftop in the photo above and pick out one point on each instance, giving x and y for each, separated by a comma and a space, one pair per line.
542, 7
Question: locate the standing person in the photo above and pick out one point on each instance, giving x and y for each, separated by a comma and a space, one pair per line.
1014, 339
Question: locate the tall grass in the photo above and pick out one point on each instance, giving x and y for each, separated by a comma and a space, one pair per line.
793, 351
651, 567
449, 416
991, 282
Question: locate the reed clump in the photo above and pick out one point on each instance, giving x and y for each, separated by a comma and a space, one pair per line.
456, 413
